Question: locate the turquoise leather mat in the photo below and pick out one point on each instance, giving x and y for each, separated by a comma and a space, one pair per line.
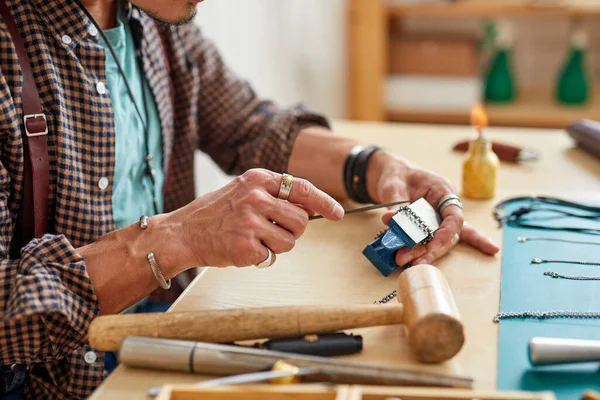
524, 287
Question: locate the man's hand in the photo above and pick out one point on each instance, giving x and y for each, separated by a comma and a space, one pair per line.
235, 225
391, 178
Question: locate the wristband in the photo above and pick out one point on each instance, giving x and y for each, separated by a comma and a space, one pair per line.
348, 168
359, 174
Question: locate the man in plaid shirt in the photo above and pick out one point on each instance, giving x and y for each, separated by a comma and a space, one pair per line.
85, 266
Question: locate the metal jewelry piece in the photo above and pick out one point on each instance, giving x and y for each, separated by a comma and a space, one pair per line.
287, 181
386, 298
542, 261
419, 222
144, 222
412, 225
573, 278
449, 200
157, 273
152, 260
455, 240
267, 262
547, 315
523, 239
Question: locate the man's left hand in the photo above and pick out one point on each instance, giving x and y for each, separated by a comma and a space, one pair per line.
391, 178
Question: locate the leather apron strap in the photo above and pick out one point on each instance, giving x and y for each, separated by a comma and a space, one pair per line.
34, 207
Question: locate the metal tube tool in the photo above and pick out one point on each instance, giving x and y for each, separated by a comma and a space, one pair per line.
216, 359
553, 351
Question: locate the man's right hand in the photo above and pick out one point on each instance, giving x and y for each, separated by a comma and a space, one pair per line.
235, 225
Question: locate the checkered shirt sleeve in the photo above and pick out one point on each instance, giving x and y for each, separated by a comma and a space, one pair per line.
48, 304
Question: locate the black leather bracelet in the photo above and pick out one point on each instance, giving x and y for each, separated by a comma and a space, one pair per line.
348, 168
359, 175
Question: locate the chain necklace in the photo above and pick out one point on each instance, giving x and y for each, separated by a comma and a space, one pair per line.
386, 298
523, 239
573, 278
419, 222
542, 261
547, 315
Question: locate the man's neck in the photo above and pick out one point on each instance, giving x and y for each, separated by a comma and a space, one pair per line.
103, 11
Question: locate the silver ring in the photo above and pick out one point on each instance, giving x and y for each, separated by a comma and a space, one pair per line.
267, 262
449, 200
287, 181
455, 240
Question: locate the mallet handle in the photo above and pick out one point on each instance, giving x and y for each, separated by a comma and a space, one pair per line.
224, 326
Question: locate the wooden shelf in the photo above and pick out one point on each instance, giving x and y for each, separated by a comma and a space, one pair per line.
498, 8
368, 44
535, 108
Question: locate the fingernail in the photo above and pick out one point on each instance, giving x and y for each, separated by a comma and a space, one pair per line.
338, 211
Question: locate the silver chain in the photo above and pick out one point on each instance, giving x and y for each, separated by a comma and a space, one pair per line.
386, 298
523, 239
547, 315
573, 278
542, 261
420, 223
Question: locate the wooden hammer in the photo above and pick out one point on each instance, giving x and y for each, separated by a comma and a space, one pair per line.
427, 309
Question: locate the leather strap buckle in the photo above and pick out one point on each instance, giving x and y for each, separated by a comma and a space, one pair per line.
35, 125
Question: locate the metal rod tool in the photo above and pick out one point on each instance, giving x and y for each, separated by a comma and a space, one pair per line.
217, 359
363, 209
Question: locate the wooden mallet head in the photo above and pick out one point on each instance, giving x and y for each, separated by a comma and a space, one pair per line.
435, 332
427, 309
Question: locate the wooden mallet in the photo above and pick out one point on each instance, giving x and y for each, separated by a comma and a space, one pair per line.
427, 309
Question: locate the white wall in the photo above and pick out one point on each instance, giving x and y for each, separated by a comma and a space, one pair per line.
290, 50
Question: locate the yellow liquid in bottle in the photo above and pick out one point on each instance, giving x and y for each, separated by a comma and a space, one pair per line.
480, 170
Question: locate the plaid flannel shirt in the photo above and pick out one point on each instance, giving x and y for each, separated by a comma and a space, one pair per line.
46, 298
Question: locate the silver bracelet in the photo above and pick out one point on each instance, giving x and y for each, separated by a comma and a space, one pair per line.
162, 282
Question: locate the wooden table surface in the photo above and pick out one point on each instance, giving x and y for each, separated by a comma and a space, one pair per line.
327, 267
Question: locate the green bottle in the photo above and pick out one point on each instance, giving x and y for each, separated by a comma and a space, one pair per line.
500, 86
573, 87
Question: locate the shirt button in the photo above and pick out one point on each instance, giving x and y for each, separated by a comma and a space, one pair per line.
92, 30
101, 87
90, 357
66, 39
103, 183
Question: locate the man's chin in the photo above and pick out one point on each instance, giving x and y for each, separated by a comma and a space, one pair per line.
176, 21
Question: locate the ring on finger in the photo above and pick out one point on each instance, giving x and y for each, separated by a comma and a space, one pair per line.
449, 200
267, 262
287, 181
455, 240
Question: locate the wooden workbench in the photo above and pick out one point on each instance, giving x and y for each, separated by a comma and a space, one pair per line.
327, 266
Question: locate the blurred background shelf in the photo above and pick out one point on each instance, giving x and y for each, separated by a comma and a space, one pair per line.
374, 59
535, 108
496, 8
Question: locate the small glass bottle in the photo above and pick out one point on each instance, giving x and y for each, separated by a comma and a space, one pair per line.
480, 168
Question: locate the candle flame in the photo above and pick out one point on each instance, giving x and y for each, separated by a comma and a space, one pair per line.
479, 118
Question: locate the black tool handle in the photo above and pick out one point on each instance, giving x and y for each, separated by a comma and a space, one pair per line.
326, 345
